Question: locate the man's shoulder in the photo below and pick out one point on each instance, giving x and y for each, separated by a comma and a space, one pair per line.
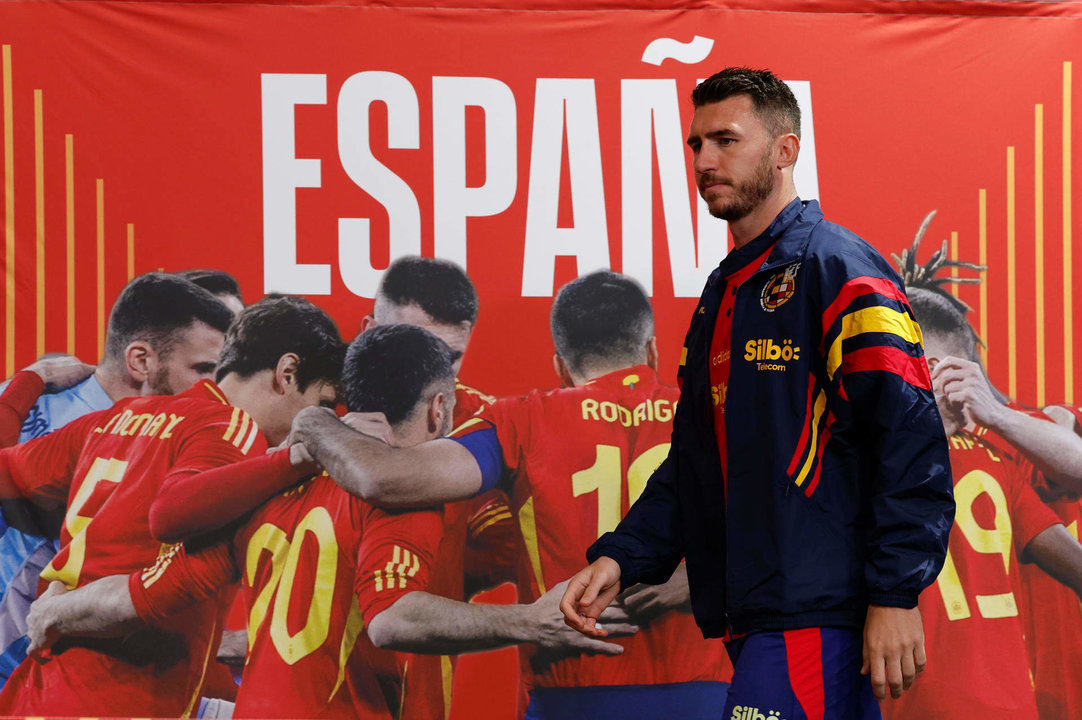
840, 254
52, 411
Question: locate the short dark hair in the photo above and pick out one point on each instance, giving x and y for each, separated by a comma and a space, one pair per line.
218, 282
940, 314
772, 99
603, 316
389, 368
440, 287
265, 331
154, 307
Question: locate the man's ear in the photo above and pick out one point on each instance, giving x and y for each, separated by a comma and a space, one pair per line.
436, 413
139, 356
562, 372
285, 374
368, 322
652, 354
788, 149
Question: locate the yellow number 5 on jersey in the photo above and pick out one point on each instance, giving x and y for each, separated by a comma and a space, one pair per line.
107, 470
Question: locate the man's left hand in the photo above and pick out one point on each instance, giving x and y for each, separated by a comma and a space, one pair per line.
893, 649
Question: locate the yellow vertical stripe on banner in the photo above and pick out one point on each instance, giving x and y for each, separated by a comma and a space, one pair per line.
69, 212
39, 222
954, 256
9, 216
1012, 320
101, 266
982, 258
131, 251
1038, 240
1068, 268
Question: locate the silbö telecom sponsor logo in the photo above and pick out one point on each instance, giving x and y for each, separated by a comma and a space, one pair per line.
746, 712
766, 353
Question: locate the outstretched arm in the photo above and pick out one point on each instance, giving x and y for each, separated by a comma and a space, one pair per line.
426, 623
434, 472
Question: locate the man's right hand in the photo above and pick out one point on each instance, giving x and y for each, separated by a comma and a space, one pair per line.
588, 593
60, 372
555, 639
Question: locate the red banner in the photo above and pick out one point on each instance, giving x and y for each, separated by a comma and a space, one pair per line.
302, 146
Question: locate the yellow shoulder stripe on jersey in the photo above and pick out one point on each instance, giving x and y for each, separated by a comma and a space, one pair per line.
875, 319
214, 391
232, 424
683, 357
468, 424
251, 438
505, 515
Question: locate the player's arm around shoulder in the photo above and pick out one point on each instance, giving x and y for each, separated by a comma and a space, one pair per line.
432, 472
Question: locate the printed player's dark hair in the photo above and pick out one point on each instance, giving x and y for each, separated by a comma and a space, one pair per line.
601, 318
265, 331
155, 307
440, 287
936, 310
392, 368
218, 282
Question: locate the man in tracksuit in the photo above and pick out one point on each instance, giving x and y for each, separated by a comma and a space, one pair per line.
808, 483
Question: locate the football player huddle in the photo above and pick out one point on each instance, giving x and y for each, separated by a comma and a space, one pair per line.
209, 477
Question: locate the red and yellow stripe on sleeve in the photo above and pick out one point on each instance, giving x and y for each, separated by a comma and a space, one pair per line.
870, 327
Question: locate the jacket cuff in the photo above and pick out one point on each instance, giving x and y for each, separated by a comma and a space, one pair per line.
893, 599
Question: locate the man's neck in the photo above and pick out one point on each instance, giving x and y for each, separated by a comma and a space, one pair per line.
754, 223
116, 383
593, 373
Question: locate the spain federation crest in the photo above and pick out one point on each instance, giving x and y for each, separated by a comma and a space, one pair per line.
779, 288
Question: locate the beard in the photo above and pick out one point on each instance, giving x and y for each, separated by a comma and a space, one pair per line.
160, 383
749, 194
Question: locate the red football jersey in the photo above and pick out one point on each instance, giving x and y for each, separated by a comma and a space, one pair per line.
316, 564
977, 662
109, 465
429, 679
1053, 619
577, 458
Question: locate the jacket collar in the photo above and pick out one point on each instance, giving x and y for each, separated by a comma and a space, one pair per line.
788, 233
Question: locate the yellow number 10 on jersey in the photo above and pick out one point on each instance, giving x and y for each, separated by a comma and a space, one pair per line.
604, 477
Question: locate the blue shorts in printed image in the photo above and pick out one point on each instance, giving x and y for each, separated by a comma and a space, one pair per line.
806, 674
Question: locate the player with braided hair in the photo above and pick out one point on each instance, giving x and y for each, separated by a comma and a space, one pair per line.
997, 600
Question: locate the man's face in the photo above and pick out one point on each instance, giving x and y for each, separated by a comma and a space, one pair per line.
193, 357
733, 157
457, 337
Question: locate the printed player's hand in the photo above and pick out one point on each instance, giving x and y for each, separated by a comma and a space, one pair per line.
554, 636
60, 372
41, 621
646, 602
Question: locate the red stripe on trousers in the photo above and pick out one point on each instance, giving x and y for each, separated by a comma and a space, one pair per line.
804, 653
